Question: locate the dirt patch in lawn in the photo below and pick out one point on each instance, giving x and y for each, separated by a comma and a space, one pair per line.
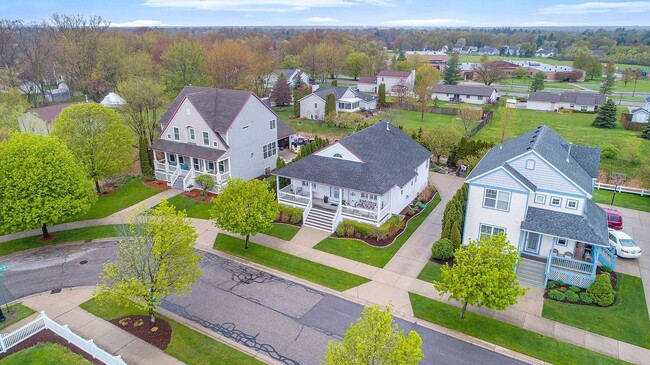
157, 184
197, 195
52, 237
106, 192
49, 336
158, 334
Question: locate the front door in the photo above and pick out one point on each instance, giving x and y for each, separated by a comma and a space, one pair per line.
334, 193
532, 242
196, 164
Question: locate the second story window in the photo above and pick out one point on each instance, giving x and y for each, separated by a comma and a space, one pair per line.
556, 201
496, 199
272, 124
190, 133
572, 204
269, 150
177, 133
206, 138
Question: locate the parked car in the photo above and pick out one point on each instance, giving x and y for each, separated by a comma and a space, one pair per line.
624, 245
614, 218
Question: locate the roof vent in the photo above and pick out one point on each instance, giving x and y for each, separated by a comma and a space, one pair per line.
387, 126
568, 153
527, 148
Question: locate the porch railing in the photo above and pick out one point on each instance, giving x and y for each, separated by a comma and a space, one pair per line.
571, 264
359, 213
385, 212
569, 277
175, 175
606, 257
285, 195
161, 165
305, 213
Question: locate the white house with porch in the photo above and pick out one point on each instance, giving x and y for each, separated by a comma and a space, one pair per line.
220, 133
368, 177
312, 106
537, 190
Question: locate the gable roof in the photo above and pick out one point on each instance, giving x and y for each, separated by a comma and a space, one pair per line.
368, 80
550, 146
188, 149
339, 91
393, 73
479, 90
580, 98
51, 112
286, 71
389, 157
544, 97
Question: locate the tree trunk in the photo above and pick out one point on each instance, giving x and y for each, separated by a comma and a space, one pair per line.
97, 187
46, 234
246, 244
152, 318
462, 310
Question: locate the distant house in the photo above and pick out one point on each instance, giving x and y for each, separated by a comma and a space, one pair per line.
544, 52
39, 120
397, 81
552, 72
112, 100
597, 52
367, 84
641, 115
489, 51
472, 94
435, 58
570, 100
290, 74
312, 106
512, 51
457, 48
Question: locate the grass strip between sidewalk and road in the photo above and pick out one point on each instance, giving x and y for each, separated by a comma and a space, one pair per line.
360, 251
506, 335
15, 313
623, 200
282, 231
431, 272
309, 270
186, 345
45, 353
626, 320
71, 235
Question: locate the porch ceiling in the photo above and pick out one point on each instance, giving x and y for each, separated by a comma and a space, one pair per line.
188, 149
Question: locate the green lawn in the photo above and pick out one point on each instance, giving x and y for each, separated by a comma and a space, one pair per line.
16, 313
411, 120
282, 231
506, 335
574, 127
431, 272
624, 200
296, 266
376, 256
187, 345
627, 320
284, 112
193, 208
130, 193
72, 235
45, 353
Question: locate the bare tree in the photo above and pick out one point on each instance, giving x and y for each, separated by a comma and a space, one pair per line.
37, 57
489, 72
469, 116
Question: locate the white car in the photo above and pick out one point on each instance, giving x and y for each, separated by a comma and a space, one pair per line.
624, 245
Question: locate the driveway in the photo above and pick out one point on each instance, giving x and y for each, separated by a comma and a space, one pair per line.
290, 322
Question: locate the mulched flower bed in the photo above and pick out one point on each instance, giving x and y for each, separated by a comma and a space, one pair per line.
157, 184
52, 237
106, 192
613, 277
159, 338
196, 194
449, 262
48, 336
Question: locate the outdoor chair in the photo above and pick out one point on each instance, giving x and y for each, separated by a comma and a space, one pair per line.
568, 255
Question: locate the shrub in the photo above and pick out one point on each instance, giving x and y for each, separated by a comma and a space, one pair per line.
556, 295
412, 211
584, 296
609, 152
601, 291
206, 182
605, 268
571, 296
340, 230
289, 214
574, 289
428, 193
395, 227
563, 289
442, 249
551, 284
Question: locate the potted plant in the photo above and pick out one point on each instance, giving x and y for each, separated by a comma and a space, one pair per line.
326, 199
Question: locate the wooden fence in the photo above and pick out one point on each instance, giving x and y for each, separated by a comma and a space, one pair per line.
626, 121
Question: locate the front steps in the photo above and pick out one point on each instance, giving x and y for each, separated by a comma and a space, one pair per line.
178, 184
320, 218
531, 272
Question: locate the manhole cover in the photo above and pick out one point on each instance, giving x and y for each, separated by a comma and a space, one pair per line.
83, 262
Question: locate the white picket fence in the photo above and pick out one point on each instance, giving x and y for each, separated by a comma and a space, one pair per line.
622, 189
42, 322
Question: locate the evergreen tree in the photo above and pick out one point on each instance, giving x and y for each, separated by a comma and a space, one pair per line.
451, 76
401, 56
382, 95
335, 82
610, 79
296, 104
281, 93
330, 105
538, 82
606, 115
455, 235
645, 133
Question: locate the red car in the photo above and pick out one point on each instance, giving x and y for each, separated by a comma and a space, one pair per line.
614, 219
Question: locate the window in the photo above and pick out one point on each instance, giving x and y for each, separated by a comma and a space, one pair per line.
487, 231
401, 192
177, 133
530, 164
190, 132
215, 144
468, 96
269, 150
480, 98
612, 238
223, 166
206, 138
210, 166
368, 196
540, 198
338, 155
245, 127
169, 136
583, 108
272, 124
315, 105
496, 199
556, 202
572, 204
305, 183
563, 242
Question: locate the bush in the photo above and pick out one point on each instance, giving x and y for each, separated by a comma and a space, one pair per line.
551, 284
442, 249
556, 295
574, 289
206, 182
584, 296
571, 296
609, 152
395, 227
601, 291
428, 193
605, 268
288, 214
563, 289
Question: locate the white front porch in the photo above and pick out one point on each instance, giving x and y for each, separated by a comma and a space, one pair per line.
180, 171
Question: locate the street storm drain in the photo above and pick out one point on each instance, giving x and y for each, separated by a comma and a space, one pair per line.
55, 291
83, 262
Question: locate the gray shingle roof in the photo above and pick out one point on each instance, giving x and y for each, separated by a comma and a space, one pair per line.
479, 90
368, 80
393, 73
339, 91
590, 227
188, 149
583, 98
284, 130
544, 97
552, 148
287, 72
389, 156
520, 177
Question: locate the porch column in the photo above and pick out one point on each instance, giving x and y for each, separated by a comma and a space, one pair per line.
595, 254
340, 196
277, 186
310, 193
166, 162
378, 207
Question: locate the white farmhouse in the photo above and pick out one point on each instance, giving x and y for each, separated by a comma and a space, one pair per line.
537, 190
367, 84
217, 132
397, 81
471, 94
641, 115
312, 106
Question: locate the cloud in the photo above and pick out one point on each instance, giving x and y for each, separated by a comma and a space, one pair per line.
261, 5
597, 7
318, 19
440, 22
142, 23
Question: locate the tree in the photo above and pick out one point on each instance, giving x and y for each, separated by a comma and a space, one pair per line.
538, 82
594, 68
229, 64
489, 72
483, 275
505, 122
296, 104
96, 136
41, 183
645, 133
12, 106
606, 115
382, 95
355, 63
610, 79
183, 65
281, 93
441, 141
426, 77
156, 259
451, 75
375, 339
627, 76
244, 207
145, 104
330, 105
581, 60
468, 116
206, 182
519, 73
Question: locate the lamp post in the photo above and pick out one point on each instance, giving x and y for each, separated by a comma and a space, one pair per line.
619, 179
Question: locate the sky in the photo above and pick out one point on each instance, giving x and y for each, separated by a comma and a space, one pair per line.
385, 13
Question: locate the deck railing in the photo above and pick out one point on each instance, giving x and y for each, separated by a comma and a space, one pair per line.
606, 257
175, 175
359, 212
571, 264
285, 195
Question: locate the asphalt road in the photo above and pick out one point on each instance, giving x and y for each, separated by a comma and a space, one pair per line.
289, 321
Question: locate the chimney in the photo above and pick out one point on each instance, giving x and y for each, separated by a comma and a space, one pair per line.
568, 153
